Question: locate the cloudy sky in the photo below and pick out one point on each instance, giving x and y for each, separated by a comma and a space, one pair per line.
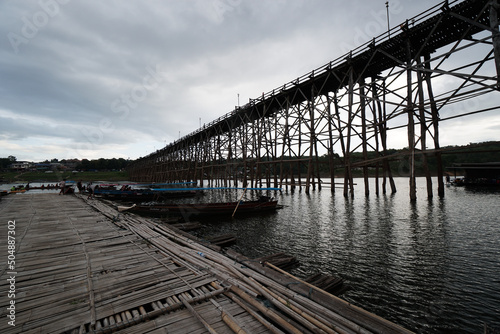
91, 79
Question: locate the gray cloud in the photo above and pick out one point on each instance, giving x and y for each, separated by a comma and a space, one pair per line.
117, 75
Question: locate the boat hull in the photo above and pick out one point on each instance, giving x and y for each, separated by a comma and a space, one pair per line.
209, 209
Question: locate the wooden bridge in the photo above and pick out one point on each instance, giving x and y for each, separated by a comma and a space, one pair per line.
439, 65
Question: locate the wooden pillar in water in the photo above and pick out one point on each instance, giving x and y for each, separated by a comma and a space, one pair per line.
411, 123
331, 158
435, 125
275, 152
341, 138
258, 171
254, 154
348, 181
244, 148
316, 175
363, 134
311, 142
235, 163
384, 143
494, 22
423, 128
285, 144
375, 134
299, 154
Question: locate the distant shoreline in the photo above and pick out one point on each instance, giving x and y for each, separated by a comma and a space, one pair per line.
57, 176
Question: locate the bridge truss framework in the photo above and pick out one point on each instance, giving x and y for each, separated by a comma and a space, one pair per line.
442, 64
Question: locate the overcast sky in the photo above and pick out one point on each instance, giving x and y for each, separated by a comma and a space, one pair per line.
91, 79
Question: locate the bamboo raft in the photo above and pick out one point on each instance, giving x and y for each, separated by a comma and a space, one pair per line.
83, 267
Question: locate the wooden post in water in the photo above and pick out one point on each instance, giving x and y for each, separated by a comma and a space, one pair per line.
494, 22
383, 120
423, 128
348, 182
435, 124
331, 157
341, 137
311, 141
375, 134
411, 123
363, 134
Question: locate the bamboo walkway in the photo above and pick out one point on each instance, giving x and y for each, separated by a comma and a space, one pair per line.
81, 267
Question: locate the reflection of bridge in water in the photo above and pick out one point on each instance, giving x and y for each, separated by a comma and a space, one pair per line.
435, 67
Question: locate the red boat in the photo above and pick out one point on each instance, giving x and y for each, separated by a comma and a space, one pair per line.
264, 203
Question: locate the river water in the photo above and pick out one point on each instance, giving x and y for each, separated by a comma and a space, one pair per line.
432, 266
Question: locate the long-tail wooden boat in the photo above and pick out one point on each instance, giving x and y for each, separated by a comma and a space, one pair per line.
141, 194
263, 204
43, 188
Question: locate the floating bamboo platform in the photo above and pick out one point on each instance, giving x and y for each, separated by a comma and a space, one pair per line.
83, 267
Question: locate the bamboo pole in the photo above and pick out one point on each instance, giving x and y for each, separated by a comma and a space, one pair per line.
259, 318
238, 204
228, 319
266, 311
299, 310
198, 316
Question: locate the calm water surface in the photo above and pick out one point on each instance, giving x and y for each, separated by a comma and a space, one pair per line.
432, 266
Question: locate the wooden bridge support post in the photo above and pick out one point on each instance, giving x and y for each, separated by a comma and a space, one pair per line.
435, 124
299, 153
383, 120
363, 134
227, 173
244, 152
311, 142
235, 164
275, 152
423, 127
341, 137
348, 181
411, 125
494, 23
254, 155
331, 157
258, 172
375, 133
285, 148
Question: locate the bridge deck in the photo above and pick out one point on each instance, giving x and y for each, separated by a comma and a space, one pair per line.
81, 268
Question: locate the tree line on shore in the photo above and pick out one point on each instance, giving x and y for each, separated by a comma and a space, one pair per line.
474, 152
80, 165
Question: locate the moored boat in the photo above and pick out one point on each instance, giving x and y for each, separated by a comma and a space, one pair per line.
263, 204
140, 194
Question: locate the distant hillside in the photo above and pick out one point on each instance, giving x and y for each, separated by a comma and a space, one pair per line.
399, 159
